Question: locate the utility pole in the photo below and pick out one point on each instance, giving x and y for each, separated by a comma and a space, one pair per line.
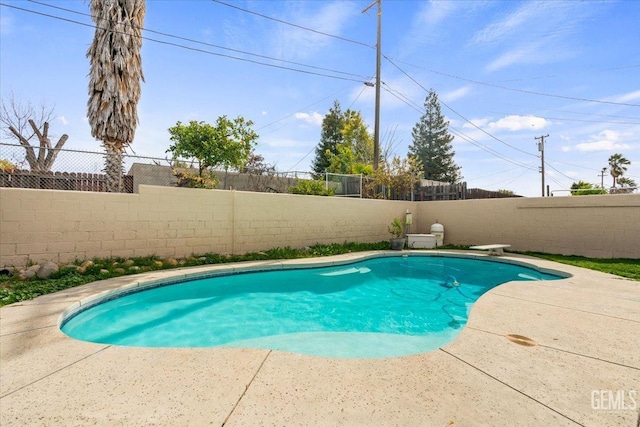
541, 150
602, 174
376, 127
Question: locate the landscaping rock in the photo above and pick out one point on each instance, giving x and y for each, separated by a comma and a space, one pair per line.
129, 262
157, 264
47, 269
171, 261
27, 274
119, 270
34, 268
134, 269
88, 263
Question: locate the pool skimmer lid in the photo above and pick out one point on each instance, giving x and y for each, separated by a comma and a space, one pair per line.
521, 340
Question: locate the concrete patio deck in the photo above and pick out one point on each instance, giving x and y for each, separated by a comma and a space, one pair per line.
585, 369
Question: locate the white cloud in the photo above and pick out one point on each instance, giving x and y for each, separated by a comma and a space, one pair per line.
525, 54
456, 94
264, 113
477, 122
511, 23
534, 33
63, 120
426, 25
607, 140
627, 97
515, 123
314, 118
331, 18
435, 12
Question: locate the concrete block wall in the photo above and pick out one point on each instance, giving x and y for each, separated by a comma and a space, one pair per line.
60, 226
604, 226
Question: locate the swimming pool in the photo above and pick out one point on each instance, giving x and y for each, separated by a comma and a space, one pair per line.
380, 307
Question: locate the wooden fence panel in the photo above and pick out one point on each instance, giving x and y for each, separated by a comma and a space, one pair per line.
60, 181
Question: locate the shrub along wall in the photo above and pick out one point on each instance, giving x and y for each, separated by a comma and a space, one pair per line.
60, 226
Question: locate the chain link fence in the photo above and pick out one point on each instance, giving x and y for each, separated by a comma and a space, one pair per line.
77, 170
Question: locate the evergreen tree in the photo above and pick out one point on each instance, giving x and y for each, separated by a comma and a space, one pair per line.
330, 137
432, 144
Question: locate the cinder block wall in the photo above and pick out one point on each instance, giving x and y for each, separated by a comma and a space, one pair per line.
53, 225
604, 226
60, 226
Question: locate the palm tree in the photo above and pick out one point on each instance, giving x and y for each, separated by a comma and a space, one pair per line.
617, 166
114, 79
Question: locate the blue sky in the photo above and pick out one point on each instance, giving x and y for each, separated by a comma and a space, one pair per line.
505, 71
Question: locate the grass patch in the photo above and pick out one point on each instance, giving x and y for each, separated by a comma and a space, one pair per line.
624, 267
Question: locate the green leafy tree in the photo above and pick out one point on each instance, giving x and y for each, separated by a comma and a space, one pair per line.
617, 166
396, 177
342, 161
582, 188
355, 153
226, 144
432, 144
330, 137
345, 161
356, 135
627, 185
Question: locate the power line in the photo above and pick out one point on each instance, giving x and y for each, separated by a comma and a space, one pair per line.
301, 109
508, 180
294, 25
530, 92
496, 173
460, 134
460, 115
336, 71
192, 48
205, 43
566, 176
579, 120
594, 114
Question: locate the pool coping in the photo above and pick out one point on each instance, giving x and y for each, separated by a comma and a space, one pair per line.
479, 378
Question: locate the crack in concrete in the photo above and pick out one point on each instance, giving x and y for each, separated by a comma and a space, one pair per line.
246, 388
511, 387
54, 372
28, 330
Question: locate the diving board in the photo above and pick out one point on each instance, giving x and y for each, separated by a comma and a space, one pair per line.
495, 249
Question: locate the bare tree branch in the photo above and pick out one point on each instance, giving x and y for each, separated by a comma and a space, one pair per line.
31, 157
17, 114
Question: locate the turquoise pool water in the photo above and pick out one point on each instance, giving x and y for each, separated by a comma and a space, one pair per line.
380, 307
